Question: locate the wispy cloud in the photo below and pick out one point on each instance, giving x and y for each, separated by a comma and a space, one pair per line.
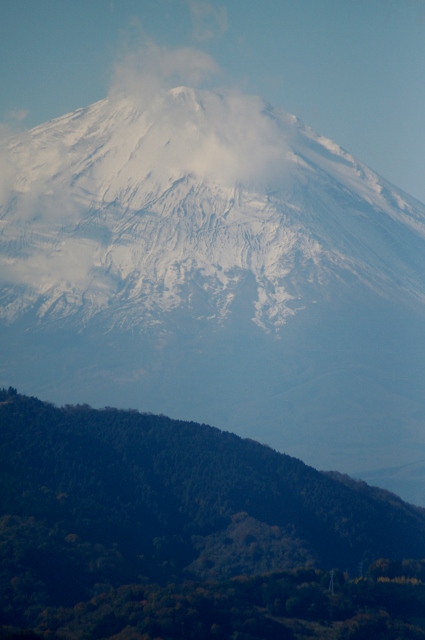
12, 124
150, 68
208, 20
238, 141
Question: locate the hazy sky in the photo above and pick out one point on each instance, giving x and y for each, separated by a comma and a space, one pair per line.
354, 70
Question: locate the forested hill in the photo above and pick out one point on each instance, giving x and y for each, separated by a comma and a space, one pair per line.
108, 497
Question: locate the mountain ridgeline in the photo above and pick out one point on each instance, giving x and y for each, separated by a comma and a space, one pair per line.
92, 499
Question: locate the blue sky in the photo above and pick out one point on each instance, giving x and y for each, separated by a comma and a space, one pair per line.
354, 70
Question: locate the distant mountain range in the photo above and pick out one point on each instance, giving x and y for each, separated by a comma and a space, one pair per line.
97, 498
207, 256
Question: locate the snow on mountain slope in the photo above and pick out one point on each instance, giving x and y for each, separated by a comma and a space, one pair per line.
113, 208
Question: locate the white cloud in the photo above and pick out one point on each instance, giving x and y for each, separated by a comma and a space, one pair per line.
238, 142
69, 263
231, 137
18, 114
152, 68
12, 124
7, 174
208, 21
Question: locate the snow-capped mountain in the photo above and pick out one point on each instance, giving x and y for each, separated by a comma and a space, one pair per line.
208, 256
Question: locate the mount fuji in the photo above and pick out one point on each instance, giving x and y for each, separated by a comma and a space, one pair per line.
207, 256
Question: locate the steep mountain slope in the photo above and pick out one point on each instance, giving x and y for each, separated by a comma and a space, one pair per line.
92, 498
106, 209
208, 256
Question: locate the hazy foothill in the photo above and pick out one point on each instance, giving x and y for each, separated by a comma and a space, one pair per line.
122, 524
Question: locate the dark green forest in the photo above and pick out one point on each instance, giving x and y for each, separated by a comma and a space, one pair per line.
123, 524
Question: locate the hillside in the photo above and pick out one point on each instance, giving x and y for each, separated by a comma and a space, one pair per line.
92, 499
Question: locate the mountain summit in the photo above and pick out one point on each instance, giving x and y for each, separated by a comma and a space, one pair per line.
206, 255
